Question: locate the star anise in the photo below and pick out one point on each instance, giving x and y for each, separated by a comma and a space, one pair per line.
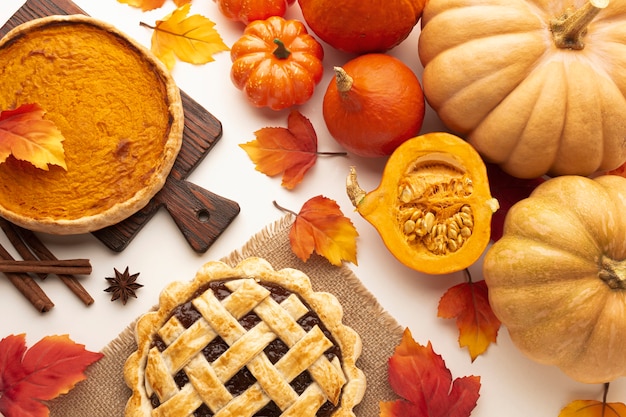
123, 285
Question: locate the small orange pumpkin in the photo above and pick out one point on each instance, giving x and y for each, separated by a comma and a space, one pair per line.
373, 105
362, 26
276, 63
247, 11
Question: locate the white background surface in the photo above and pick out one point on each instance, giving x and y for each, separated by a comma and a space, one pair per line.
512, 386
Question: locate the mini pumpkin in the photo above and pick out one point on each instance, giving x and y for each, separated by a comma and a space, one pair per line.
367, 92
362, 26
433, 206
536, 87
246, 11
557, 277
276, 63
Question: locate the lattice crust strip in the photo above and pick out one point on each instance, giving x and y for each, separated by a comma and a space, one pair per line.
220, 319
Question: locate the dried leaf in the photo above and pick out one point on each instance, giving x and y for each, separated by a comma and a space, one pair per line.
507, 190
290, 151
192, 39
51, 367
592, 408
25, 134
321, 227
420, 377
147, 5
144, 5
468, 303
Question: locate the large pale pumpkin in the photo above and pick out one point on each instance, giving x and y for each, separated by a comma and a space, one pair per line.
557, 277
537, 86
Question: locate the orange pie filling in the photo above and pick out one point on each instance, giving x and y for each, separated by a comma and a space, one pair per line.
113, 106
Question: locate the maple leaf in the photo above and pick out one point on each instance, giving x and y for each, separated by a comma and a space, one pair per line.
321, 227
192, 39
146, 5
26, 135
51, 367
469, 304
508, 190
420, 377
290, 151
593, 408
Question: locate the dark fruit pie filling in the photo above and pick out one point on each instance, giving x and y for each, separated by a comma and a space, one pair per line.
187, 315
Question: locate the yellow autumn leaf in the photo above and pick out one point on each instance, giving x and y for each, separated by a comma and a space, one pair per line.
191, 39
593, 408
144, 5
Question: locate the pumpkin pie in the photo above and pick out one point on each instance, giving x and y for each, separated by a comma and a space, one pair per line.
244, 341
115, 104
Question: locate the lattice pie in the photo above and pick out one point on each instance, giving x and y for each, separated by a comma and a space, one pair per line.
244, 341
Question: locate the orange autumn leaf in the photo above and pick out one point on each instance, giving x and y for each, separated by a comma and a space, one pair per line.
25, 134
290, 151
592, 408
420, 377
51, 367
322, 228
192, 39
468, 303
146, 5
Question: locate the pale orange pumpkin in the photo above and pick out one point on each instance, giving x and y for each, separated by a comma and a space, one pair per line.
373, 105
557, 277
536, 86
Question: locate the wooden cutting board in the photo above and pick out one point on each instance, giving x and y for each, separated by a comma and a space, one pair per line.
200, 215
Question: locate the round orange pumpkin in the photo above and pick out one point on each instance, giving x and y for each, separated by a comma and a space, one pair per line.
374, 104
362, 26
537, 87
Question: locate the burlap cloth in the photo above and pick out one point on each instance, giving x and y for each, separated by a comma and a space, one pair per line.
104, 393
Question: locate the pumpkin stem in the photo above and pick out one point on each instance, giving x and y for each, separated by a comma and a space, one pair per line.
613, 273
344, 81
354, 190
569, 29
281, 51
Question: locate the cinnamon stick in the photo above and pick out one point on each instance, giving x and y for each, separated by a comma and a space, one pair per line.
27, 286
43, 253
66, 266
18, 243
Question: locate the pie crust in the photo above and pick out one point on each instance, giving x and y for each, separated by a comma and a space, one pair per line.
118, 109
250, 321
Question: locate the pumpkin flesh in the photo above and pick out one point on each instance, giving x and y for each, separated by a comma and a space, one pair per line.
433, 206
494, 74
557, 277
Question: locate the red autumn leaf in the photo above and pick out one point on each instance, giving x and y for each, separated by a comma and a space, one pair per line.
51, 367
26, 135
468, 303
508, 190
420, 377
290, 151
321, 227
